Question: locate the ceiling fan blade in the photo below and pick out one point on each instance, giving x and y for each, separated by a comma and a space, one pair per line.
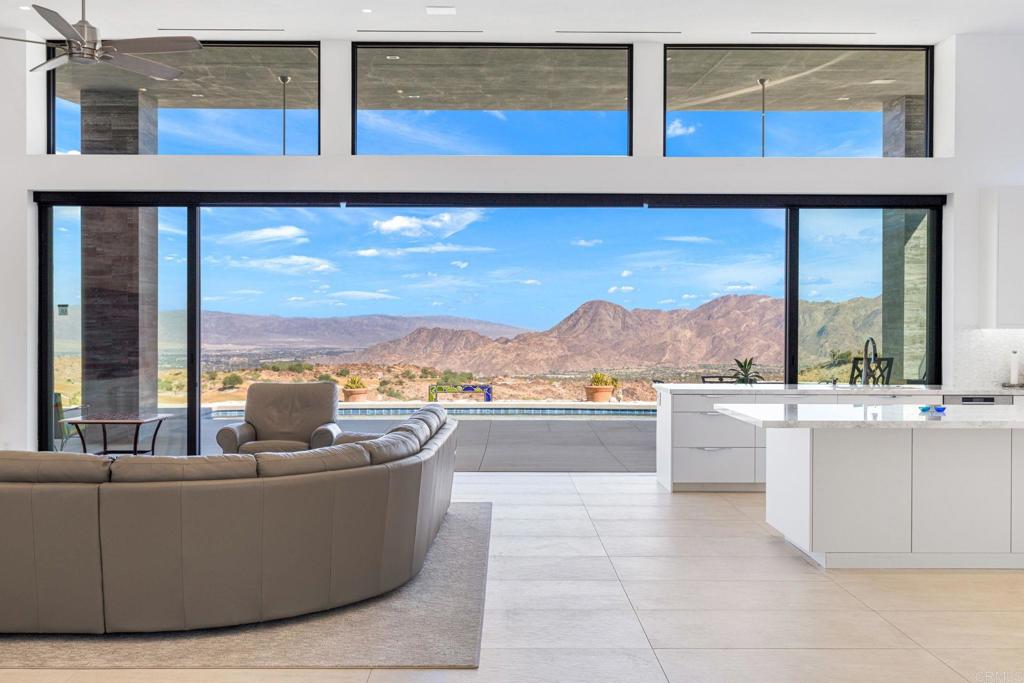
22, 40
141, 46
51, 64
141, 65
60, 23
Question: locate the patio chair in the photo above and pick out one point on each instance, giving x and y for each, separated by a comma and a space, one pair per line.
284, 418
61, 430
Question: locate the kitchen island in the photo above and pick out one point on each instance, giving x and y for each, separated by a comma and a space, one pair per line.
874, 485
698, 449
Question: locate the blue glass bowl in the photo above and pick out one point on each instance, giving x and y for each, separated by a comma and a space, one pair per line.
939, 409
924, 409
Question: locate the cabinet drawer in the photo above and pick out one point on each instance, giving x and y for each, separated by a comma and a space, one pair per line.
713, 465
711, 428
696, 403
759, 465
892, 399
796, 398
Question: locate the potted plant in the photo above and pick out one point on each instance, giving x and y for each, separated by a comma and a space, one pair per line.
355, 389
744, 372
601, 387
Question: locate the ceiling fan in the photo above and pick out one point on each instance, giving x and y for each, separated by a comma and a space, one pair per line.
83, 46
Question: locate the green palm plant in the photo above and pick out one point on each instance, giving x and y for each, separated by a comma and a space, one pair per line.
744, 372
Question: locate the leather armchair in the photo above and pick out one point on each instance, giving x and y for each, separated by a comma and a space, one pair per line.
283, 418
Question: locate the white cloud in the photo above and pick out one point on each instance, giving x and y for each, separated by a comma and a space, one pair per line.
214, 298
689, 296
296, 298
287, 265
739, 287
461, 265
388, 124
667, 301
500, 115
171, 230
586, 243
677, 129
626, 273
530, 282
246, 292
689, 239
443, 224
359, 295
625, 289
438, 248
283, 233
322, 288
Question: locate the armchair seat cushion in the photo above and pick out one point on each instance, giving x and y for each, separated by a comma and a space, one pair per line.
273, 446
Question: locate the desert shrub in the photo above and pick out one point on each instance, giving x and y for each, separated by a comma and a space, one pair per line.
394, 393
324, 377
384, 382
343, 372
452, 377
231, 381
212, 375
408, 374
428, 372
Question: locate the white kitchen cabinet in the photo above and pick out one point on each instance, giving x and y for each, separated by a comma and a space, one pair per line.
710, 429
861, 490
962, 490
711, 465
1001, 244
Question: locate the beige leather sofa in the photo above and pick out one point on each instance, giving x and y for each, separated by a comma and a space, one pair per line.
284, 417
157, 543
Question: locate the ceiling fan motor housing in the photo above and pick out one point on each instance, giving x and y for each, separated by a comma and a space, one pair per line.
88, 51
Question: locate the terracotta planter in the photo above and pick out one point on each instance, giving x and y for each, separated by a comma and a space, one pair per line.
599, 394
353, 395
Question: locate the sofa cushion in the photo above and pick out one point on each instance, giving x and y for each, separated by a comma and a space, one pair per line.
326, 459
182, 467
45, 467
418, 428
438, 410
390, 447
428, 418
355, 437
273, 446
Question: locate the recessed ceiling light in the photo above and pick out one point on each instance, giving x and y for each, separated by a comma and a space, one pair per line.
413, 97
392, 57
436, 9
842, 99
882, 81
25, 7
399, 91
196, 94
143, 89
367, 10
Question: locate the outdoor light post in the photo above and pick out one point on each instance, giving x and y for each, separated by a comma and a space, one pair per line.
285, 80
763, 82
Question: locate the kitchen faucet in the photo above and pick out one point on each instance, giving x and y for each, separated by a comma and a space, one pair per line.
869, 361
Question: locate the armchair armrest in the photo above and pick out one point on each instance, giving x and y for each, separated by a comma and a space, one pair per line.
324, 435
231, 437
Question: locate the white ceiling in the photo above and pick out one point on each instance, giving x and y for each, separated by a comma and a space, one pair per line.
893, 21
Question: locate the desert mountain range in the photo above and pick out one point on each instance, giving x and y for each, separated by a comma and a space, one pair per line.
598, 334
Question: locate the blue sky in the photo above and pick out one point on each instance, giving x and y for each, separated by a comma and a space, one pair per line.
527, 267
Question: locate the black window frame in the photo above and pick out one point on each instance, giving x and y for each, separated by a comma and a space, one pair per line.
193, 202
929, 75
628, 47
51, 84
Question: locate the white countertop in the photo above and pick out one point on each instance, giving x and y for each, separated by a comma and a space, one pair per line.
829, 416
840, 389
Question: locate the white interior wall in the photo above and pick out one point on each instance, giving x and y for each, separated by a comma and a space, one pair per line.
979, 144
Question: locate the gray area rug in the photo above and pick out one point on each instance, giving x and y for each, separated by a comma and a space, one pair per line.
434, 621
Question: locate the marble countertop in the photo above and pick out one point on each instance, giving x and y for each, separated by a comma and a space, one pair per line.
829, 416
841, 389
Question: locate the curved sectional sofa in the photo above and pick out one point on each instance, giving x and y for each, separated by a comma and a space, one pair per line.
90, 544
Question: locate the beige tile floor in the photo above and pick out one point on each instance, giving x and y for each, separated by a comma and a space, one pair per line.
602, 578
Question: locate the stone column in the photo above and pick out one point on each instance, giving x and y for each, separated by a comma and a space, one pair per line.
904, 290
903, 126
119, 267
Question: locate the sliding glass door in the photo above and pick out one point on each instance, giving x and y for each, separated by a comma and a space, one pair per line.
118, 328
